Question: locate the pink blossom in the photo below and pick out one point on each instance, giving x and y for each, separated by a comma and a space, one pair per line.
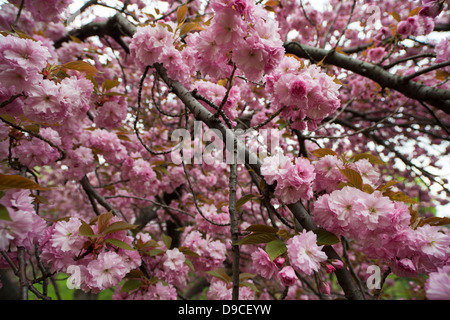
433, 242
218, 290
23, 53
25, 227
148, 43
275, 167
376, 54
304, 253
263, 265
229, 28
65, 236
161, 291
431, 8
437, 286
37, 152
345, 203
249, 57
375, 211
44, 103
327, 172
368, 172
325, 288
287, 276
107, 270
212, 214
404, 28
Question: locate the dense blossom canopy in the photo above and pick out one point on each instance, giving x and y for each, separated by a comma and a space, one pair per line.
225, 149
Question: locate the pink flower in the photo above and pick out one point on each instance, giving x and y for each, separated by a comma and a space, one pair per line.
249, 57
431, 8
229, 28
107, 270
368, 173
375, 211
274, 167
327, 172
433, 242
161, 291
345, 204
304, 253
376, 54
437, 286
25, 227
262, 264
404, 268
148, 43
218, 290
404, 28
325, 288
65, 236
287, 276
44, 103
174, 259
23, 53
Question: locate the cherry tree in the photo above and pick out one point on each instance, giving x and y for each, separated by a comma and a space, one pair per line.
225, 149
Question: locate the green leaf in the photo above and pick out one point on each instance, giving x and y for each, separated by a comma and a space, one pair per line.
109, 84
181, 13
18, 182
119, 226
387, 185
323, 152
244, 199
262, 228
81, 66
275, 248
220, 274
119, 243
325, 237
154, 252
370, 157
167, 240
190, 26
103, 221
188, 252
354, 177
249, 285
190, 265
435, 221
131, 284
85, 230
399, 196
245, 275
4, 214
257, 238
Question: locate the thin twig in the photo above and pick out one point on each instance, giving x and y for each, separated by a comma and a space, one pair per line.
195, 196
38, 136
426, 70
16, 21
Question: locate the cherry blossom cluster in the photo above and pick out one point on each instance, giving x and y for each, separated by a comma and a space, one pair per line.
93, 262
24, 227
294, 177
382, 227
64, 121
306, 92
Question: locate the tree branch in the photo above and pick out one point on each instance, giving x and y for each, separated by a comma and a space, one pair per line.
439, 98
